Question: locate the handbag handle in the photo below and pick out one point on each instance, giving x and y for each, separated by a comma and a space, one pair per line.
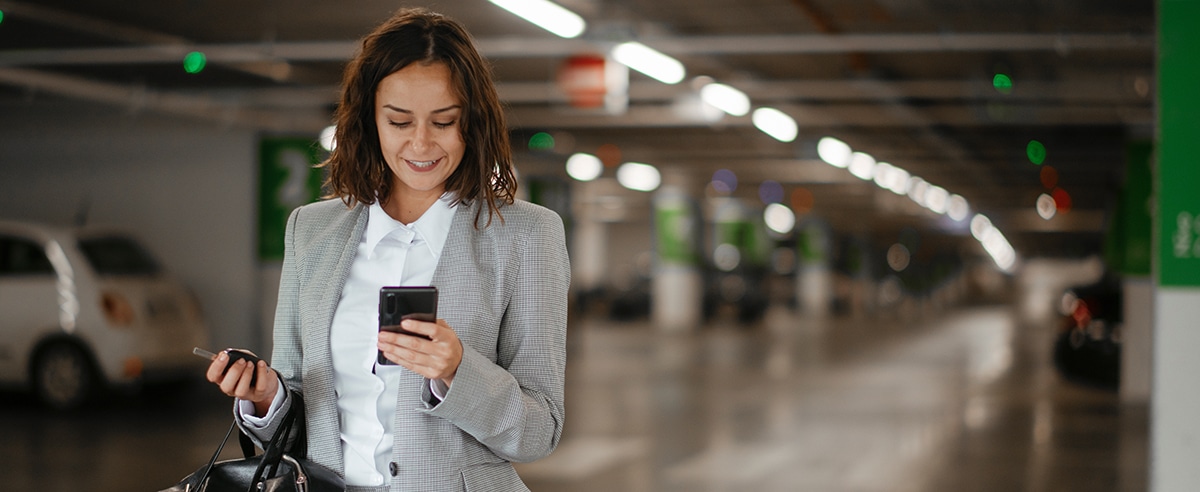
274, 451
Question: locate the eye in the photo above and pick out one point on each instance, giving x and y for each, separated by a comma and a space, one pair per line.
399, 124
445, 125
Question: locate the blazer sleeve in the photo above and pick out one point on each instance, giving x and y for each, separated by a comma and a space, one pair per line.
514, 406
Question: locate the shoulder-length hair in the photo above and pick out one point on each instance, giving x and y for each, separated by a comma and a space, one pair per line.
356, 168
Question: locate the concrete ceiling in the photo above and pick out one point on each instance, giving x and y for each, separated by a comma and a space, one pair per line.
908, 81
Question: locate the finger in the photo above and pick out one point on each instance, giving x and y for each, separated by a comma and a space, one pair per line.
229, 381
216, 367
243, 389
421, 327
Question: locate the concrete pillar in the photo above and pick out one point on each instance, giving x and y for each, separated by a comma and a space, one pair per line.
1175, 402
677, 285
814, 274
1137, 348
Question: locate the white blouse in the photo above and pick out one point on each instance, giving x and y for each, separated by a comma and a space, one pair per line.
390, 253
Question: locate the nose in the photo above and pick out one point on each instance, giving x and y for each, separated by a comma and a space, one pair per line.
422, 139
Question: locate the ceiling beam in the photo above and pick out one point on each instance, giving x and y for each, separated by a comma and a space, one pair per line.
337, 51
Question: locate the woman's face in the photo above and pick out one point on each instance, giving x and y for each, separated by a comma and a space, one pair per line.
418, 117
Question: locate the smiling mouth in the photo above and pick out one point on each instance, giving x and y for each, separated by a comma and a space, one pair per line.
421, 164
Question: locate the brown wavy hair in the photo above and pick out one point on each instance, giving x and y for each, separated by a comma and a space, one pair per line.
356, 168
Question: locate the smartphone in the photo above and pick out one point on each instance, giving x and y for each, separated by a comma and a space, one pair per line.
397, 304
234, 355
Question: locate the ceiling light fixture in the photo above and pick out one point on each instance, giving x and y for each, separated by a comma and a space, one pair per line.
726, 98
546, 15
775, 123
639, 177
584, 167
647, 60
834, 152
862, 166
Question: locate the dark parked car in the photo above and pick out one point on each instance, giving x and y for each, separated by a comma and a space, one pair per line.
1088, 346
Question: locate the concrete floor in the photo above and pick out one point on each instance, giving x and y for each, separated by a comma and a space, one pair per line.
963, 401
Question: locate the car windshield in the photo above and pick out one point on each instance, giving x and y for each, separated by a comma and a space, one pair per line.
115, 255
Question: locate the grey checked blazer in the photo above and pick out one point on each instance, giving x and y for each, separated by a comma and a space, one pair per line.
503, 288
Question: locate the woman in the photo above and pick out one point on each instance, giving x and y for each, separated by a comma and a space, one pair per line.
422, 193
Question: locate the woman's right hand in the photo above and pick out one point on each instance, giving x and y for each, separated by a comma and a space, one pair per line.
236, 381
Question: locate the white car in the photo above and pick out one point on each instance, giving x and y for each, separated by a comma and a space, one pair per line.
82, 309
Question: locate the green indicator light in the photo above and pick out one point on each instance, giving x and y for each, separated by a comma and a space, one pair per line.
194, 62
1036, 152
541, 141
1002, 83
1, 16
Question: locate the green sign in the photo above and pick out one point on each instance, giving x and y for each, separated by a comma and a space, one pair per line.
1127, 245
1178, 230
812, 243
674, 223
287, 179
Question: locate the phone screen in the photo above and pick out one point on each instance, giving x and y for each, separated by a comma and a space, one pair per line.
400, 303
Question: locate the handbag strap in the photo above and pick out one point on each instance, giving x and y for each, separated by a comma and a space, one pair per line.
274, 450
217, 454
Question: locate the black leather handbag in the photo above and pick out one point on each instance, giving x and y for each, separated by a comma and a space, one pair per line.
281, 467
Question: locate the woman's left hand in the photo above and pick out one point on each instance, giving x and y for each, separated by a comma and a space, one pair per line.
436, 358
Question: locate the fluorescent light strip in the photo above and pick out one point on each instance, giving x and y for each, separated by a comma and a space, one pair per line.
645, 59
726, 98
776, 123
546, 15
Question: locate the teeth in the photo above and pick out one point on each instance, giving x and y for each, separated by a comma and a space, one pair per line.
422, 163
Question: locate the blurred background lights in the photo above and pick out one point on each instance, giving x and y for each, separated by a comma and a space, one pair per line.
862, 165
957, 208
898, 257
935, 199
726, 98
916, 189
650, 62
724, 181
327, 138
1036, 152
584, 167
546, 15
609, 154
779, 218
770, 192
638, 176
1045, 206
980, 224
896, 179
1003, 83
932, 197
1062, 199
834, 152
775, 123
883, 173
541, 141
993, 242
1, 16
802, 200
194, 62
727, 257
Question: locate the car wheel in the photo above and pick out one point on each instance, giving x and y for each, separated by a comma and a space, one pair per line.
63, 376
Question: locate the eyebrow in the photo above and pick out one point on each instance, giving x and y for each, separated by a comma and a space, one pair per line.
436, 111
